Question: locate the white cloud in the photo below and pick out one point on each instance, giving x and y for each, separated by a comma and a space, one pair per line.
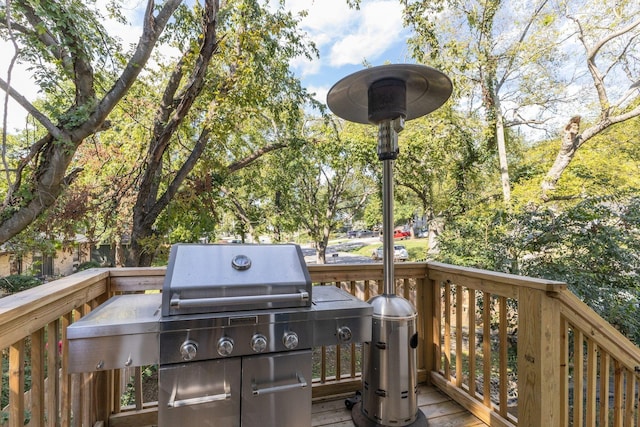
305, 67
320, 92
377, 27
346, 36
325, 19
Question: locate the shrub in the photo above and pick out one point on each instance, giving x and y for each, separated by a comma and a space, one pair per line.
89, 264
18, 282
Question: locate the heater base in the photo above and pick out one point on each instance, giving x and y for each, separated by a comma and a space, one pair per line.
361, 420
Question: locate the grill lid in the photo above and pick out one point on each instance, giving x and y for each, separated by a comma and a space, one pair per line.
219, 278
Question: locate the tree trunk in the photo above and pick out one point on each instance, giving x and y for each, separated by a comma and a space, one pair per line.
568, 148
436, 225
502, 155
321, 250
176, 103
321, 254
50, 175
139, 254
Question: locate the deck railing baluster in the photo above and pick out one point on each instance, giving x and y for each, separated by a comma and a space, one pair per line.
471, 321
16, 384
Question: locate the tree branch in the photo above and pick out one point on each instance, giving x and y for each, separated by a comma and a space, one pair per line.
31, 109
153, 27
246, 161
46, 37
49, 174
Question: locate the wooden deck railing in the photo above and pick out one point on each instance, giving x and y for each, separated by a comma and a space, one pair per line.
513, 350
550, 360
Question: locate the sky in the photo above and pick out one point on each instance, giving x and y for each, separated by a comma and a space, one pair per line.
345, 37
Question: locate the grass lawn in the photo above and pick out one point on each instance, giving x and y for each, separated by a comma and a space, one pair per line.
417, 248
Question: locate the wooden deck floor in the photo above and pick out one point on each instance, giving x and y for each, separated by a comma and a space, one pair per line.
438, 408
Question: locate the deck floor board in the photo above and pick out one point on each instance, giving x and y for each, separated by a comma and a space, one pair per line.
439, 409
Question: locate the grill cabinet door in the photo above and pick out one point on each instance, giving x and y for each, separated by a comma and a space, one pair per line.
276, 390
203, 394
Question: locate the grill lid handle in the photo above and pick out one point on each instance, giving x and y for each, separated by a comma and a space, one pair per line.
177, 302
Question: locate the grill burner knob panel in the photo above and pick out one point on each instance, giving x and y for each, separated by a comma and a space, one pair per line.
188, 350
290, 340
225, 346
258, 343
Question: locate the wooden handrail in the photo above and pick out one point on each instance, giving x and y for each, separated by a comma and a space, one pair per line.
28, 311
491, 280
599, 330
598, 361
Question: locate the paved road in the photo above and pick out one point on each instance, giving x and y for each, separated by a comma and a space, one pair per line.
340, 253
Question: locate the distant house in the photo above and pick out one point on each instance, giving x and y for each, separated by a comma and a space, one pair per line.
63, 263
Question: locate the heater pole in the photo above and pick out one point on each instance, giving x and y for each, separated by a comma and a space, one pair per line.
387, 227
388, 152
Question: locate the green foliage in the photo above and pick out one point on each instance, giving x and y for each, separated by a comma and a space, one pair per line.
587, 236
62, 20
439, 162
593, 246
322, 185
89, 264
17, 282
149, 375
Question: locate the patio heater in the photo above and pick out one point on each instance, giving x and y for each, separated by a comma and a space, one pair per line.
387, 96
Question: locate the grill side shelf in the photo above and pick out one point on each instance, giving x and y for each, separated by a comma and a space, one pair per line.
122, 332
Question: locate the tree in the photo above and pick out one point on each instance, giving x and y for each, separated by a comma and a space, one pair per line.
248, 85
608, 37
81, 69
187, 123
324, 183
522, 62
177, 99
438, 164
588, 238
500, 55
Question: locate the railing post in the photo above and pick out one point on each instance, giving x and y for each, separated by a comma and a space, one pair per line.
425, 299
538, 359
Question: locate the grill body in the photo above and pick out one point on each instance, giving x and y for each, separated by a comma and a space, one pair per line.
232, 333
235, 337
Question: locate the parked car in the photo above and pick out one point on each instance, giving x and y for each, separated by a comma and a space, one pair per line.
399, 253
365, 233
401, 234
423, 233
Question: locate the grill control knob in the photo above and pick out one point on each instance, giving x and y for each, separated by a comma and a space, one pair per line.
259, 343
344, 334
225, 346
188, 350
290, 340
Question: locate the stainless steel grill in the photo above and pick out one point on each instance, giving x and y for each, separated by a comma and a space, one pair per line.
232, 333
